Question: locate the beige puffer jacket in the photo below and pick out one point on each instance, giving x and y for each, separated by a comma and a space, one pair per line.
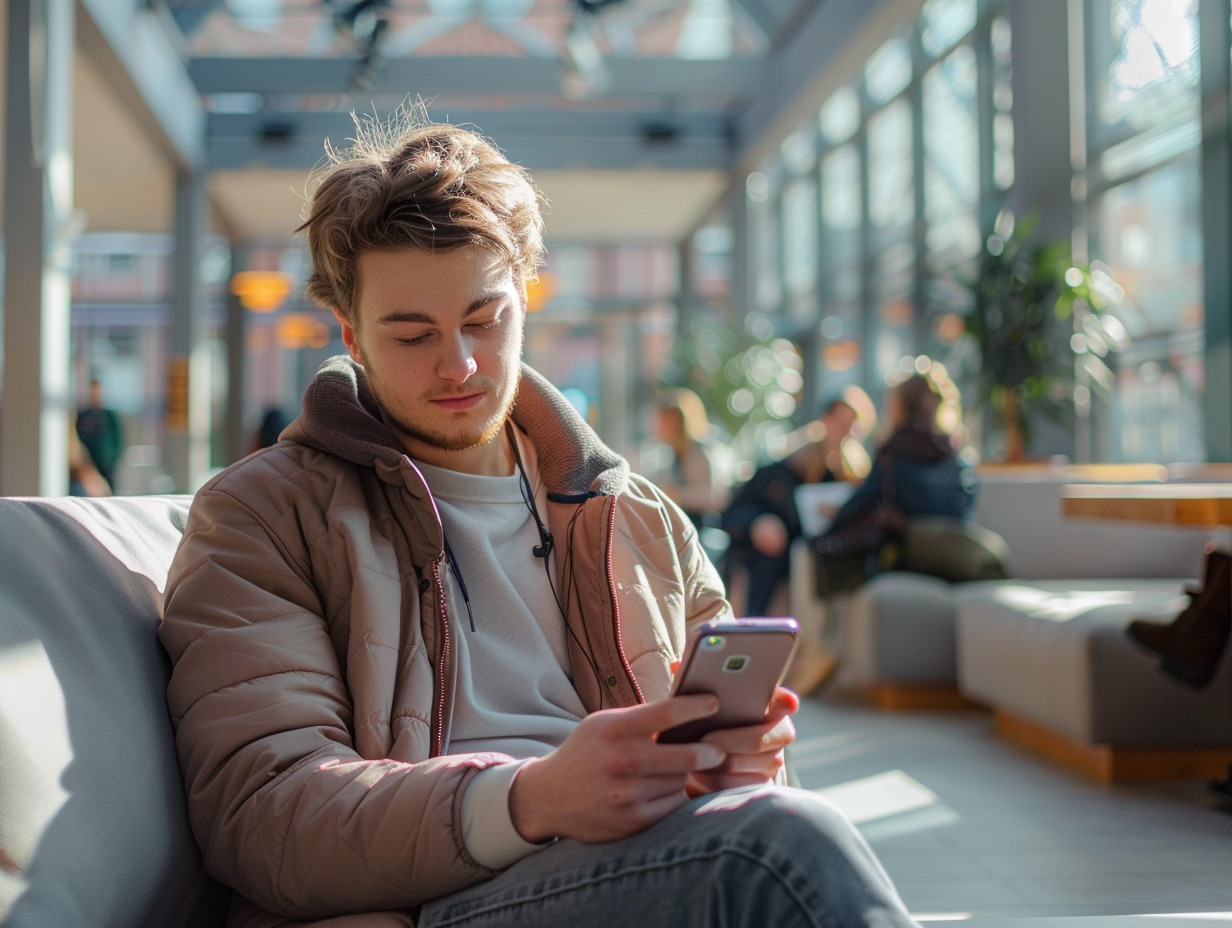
305, 618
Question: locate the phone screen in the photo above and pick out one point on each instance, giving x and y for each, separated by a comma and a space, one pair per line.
740, 661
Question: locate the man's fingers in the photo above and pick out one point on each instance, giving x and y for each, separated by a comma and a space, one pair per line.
667, 713
669, 759
782, 701
762, 765
754, 739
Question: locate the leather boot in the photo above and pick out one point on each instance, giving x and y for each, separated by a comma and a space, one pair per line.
1159, 636
1193, 643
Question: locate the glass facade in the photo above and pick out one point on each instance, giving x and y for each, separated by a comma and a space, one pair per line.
1145, 207
856, 241
912, 158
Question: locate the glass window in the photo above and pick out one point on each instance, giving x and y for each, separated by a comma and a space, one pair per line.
945, 22
892, 214
800, 236
951, 160
1146, 64
1002, 104
840, 329
798, 152
888, 71
840, 202
890, 169
1150, 235
764, 245
712, 261
839, 116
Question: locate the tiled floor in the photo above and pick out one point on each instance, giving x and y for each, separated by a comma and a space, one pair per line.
971, 827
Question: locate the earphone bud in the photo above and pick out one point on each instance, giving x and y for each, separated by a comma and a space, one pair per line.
546, 541
544, 549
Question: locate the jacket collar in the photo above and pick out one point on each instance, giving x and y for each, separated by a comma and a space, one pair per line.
341, 416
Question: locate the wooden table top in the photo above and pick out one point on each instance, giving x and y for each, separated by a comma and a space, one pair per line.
1206, 504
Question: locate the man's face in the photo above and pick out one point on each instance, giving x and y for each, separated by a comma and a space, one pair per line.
440, 337
839, 421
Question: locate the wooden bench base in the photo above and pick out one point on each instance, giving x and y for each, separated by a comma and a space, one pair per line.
896, 696
1107, 763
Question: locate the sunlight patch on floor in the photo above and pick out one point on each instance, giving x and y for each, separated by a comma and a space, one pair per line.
879, 796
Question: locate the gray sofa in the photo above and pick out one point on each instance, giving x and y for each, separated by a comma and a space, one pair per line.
93, 826
1045, 649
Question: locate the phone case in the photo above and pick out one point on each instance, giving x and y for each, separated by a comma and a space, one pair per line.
740, 661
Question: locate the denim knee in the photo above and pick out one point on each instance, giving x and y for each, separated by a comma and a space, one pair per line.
814, 850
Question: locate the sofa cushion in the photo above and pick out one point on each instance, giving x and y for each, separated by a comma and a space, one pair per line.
953, 550
93, 825
899, 627
1056, 653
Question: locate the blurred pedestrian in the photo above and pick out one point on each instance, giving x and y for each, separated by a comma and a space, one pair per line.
273, 421
83, 477
102, 433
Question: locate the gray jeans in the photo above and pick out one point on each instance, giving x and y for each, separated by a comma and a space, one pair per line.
760, 856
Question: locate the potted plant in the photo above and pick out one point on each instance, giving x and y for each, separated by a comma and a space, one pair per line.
1020, 323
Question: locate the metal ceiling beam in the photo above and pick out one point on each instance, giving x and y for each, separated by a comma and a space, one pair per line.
793, 84
539, 139
131, 48
760, 17
440, 76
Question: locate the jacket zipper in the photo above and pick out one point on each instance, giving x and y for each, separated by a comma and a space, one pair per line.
438, 722
611, 589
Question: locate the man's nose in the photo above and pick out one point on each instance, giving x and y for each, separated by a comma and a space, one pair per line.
458, 360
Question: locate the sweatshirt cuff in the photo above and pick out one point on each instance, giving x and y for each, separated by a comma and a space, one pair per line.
487, 828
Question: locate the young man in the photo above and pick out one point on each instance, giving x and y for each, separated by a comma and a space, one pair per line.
422, 645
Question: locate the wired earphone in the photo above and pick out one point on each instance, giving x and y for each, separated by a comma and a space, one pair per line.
546, 541
541, 550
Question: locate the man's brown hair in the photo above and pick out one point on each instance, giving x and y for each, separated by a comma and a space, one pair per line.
409, 182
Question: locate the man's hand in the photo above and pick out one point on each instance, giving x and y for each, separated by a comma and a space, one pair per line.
755, 753
610, 778
768, 533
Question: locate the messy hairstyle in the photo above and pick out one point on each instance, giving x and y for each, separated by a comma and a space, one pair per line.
409, 182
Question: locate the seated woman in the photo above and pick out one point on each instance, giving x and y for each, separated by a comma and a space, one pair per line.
693, 483
917, 472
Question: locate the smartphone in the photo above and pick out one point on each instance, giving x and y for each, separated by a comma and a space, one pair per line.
739, 660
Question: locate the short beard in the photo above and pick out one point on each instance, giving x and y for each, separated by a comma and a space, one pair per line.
453, 443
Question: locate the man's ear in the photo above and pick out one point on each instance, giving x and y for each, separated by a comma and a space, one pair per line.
348, 336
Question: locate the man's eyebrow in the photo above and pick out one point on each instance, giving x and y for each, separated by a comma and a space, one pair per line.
410, 315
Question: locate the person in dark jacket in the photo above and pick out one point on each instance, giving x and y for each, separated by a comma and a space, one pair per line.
762, 518
101, 434
917, 472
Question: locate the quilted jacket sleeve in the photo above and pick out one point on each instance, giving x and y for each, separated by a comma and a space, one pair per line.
283, 806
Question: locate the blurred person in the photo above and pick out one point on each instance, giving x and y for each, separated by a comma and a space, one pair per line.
763, 519
917, 471
84, 478
101, 432
681, 423
273, 421
369, 739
